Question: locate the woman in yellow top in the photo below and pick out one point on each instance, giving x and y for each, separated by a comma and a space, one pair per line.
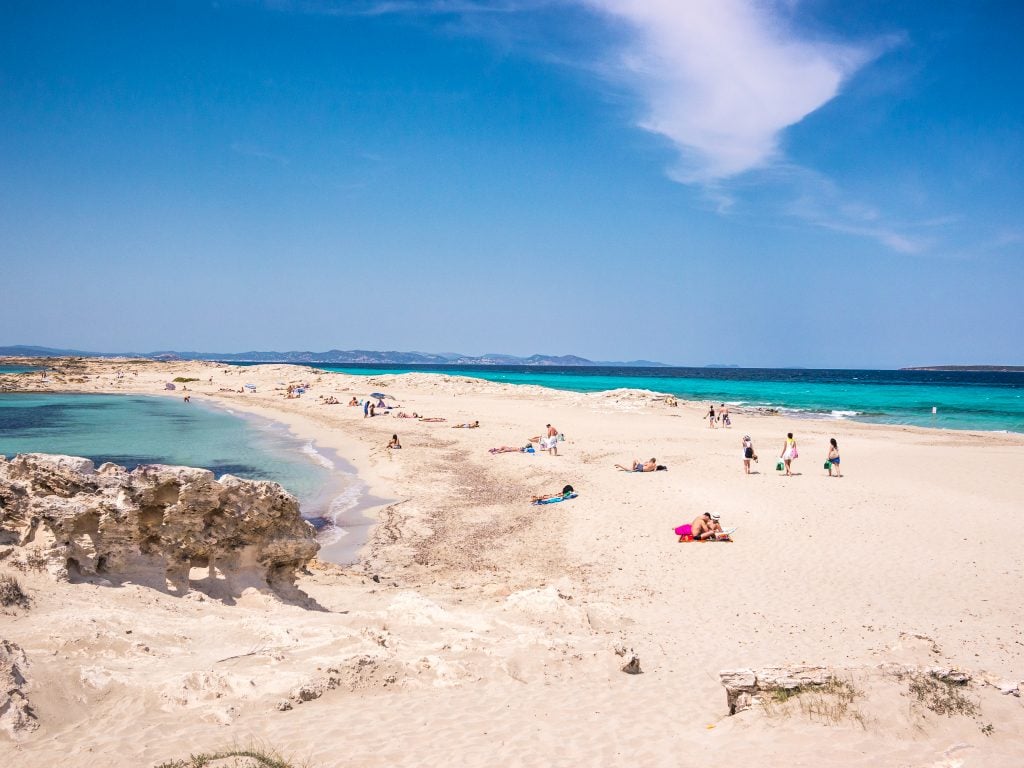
789, 452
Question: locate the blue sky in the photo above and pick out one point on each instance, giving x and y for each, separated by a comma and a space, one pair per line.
761, 183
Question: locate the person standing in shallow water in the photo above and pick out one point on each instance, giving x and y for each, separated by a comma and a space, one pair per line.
789, 453
833, 458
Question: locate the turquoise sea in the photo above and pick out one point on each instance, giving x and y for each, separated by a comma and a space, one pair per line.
131, 430
977, 400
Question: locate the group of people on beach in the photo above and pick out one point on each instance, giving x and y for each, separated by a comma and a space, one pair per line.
722, 416
790, 452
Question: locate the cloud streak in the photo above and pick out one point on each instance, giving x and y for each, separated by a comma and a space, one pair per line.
721, 79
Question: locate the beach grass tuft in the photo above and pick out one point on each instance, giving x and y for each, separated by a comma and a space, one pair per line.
829, 704
11, 592
250, 757
183, 379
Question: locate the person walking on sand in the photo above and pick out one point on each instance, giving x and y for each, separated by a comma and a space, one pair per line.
789, 453
366, 408
711, 416
723, 410
748, 453
833, 458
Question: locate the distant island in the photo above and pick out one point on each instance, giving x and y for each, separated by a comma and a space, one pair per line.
338, 357
995, 368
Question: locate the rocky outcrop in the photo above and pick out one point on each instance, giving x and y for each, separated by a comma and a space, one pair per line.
16, 715
153, 525
745, 687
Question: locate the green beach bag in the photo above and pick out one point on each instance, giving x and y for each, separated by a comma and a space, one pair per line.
828, 464
780, 466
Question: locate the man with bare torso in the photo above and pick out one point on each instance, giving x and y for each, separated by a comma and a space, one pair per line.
703, 527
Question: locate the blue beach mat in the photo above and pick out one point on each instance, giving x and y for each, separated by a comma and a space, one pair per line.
555, 500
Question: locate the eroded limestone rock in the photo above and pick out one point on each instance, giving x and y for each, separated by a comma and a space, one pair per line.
16, 715
744, 687
153, 525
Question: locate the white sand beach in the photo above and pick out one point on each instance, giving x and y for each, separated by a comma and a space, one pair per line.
476, 629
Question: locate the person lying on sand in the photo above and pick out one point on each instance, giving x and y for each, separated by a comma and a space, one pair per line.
403, 415
474, 425
432, 418
704, 527
512, 449
648, 466
567, 491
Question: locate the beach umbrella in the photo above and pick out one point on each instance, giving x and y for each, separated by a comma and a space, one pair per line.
381, 396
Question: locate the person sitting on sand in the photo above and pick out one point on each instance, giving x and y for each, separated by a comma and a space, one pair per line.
474, 425
648, 466
393, 443
353, 402
567, 491
705, 526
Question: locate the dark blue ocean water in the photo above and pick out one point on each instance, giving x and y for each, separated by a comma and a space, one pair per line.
980, 400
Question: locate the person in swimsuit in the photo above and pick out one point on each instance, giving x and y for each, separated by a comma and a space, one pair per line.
723, 410
833, 457
638, 466
706, 526
393, 443
789, 453
711, 417
748, 453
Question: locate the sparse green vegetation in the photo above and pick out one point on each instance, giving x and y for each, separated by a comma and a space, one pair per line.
11, 592
241, 758
251, 757
943, 697
183, 379
829, 704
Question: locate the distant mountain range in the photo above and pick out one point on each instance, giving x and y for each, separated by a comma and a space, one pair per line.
337, 357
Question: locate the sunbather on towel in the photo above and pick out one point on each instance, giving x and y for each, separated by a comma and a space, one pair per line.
474, 425
566, 492
648, 466
512, 449
706, 526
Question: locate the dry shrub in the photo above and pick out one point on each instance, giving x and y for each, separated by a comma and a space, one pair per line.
11, 592
943, 697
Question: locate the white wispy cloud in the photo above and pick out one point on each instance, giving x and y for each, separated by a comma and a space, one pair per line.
721, 79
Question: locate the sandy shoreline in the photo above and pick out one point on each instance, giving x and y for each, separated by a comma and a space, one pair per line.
502, 619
